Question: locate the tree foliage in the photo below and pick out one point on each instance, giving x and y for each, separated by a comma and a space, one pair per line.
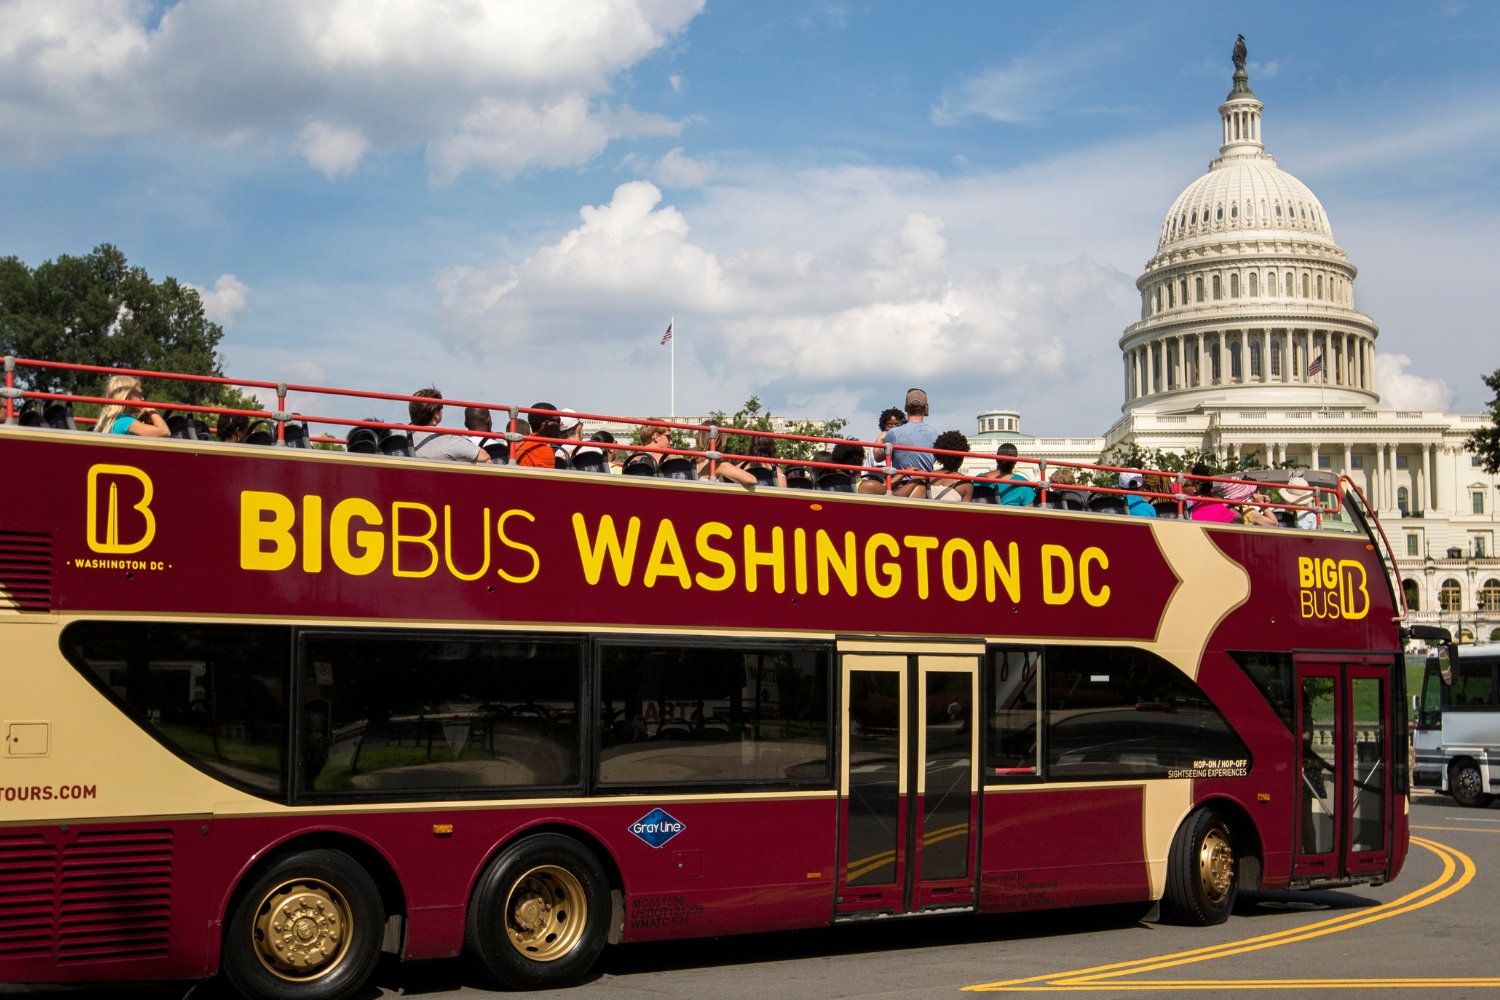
1485, 442
752, 417
98, 310
1133, 456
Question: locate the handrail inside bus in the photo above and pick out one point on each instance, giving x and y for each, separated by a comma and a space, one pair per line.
1326, 501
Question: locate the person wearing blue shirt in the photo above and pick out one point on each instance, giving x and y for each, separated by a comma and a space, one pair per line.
1138, 505
1014, 490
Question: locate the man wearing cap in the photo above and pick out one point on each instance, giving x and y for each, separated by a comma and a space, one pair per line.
571, 431
916, 432
1137, 505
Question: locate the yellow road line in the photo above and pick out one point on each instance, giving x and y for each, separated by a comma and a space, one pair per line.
1105, 977
1458, 829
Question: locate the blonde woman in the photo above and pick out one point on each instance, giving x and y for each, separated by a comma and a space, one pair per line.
114, 420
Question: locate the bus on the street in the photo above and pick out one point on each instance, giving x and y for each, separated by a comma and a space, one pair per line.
272, 710
1457, 734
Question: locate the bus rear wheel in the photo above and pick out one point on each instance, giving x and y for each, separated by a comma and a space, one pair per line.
540, 914
1467, 785
1201, 877
308, 928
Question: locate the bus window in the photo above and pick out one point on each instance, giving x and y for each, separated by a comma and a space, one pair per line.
1432, 698
1473, 686
712, 714
214, 694
391, 712
1271, 673
1116, 712
1013, 749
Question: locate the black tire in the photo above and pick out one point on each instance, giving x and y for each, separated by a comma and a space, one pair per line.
349, 923
523, 929
1467, 785
1202, 871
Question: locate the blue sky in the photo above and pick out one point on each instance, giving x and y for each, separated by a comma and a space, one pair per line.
837, 200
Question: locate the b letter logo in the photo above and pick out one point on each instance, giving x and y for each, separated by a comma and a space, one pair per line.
1332, 589
657, 827
106, 482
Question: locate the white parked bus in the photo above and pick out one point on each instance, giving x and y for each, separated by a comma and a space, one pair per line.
1457, 738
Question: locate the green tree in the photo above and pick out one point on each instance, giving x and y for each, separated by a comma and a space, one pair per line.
1133, 456
1485, 442
752, 417
98, 310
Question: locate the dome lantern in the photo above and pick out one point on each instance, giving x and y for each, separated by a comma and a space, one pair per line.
1241, 112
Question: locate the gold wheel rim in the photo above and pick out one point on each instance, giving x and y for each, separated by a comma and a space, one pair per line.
1216, 865
545, 913
302, 929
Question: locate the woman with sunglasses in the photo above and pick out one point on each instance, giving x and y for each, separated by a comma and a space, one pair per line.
114, 420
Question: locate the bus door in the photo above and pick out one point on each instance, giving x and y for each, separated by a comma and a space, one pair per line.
909, 783
1344, 801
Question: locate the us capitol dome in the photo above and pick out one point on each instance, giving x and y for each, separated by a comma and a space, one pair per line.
1248, 300
1249, 346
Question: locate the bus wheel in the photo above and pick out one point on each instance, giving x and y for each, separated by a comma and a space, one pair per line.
308, 928
1467, 785
1201, 884
540, 914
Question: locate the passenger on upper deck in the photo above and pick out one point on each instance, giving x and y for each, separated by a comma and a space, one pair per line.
1207, 510
1135, 504
950, 490
477, 418
443, 447
1297, 491
1067, 499
232, 428
539, 454
916, 432
114, 420
729, 472
570, 430
764, 447
1011, 494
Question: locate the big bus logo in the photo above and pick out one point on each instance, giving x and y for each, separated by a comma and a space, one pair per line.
119, 509
1332, 589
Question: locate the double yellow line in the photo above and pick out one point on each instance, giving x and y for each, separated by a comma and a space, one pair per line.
1108, 977
863, 866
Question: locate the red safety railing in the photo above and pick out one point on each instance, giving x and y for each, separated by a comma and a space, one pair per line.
1326, 500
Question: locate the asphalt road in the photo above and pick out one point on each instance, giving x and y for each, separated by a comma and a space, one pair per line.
1428, 933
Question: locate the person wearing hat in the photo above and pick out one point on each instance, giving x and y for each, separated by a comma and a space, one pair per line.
1135, 504
916, 432
570, 430
1298, 491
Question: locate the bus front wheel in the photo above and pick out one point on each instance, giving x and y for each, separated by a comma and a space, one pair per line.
1201, 877
540, 914
308, 928
1467, 785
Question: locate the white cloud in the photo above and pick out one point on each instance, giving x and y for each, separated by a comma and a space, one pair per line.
229, 298
480, 82
1029, 88
1402, 390
890, 304
674, 170
334, 151
676, 81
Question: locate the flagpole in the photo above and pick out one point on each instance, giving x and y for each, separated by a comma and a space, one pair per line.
673, 327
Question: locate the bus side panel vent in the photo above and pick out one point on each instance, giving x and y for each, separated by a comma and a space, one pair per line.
28, 874
25, 571
114, 896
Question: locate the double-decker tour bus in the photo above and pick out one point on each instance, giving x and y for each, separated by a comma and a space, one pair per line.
272, 711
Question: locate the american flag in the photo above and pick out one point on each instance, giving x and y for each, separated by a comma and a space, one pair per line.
1316, 368
668, 335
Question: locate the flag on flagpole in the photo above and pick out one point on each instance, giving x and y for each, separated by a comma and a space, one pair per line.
668, 335
1316, 368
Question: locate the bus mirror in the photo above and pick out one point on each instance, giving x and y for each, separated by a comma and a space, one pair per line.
1446, 655
1416, 705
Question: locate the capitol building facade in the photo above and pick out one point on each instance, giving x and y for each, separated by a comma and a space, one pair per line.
1250, 345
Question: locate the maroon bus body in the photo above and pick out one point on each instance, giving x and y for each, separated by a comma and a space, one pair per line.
741, 866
